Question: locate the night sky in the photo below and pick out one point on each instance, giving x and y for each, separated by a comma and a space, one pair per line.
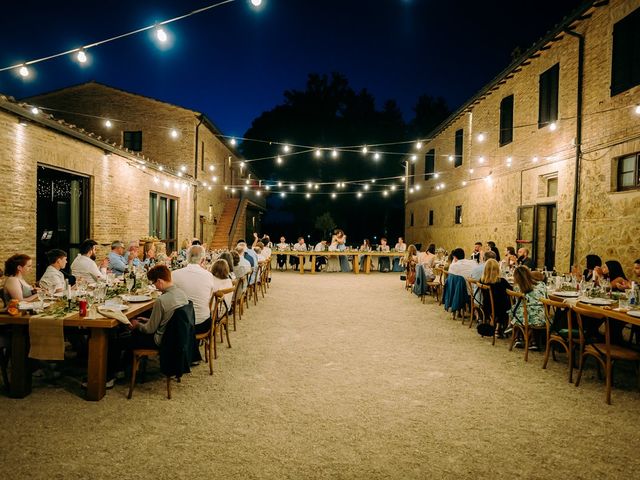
234, 62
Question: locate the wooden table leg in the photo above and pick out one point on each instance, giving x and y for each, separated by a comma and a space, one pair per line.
367, 264
356, 264
301, 263
97, 368
313, 264
20, 365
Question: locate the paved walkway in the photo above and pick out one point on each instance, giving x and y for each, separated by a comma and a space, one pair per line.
336, 376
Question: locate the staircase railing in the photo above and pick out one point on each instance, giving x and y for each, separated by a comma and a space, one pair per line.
234, 224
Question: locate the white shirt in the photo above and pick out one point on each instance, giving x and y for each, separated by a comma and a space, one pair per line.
223, 284
53, 278
463, 267
85, 268
266, 252
383, 248
319, 247
401, 247
333, 247
282, 247
300, 247
244, 263
198, 285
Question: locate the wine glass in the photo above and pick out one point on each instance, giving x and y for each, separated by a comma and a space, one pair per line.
130, 282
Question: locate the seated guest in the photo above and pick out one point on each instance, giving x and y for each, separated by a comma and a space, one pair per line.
84, 266
478, 271
15, 286
147, 333
384, 264
636, 270
196, 241
524, 259
244, 266
117, 261
53, 279
221, 280
593, 262
131, 256
281, 260
182, 254
149, 252
229, 259
499, 286
266, 251
428, 258
476, 255
612, 271
365, 247
494, 249
510, 257
198, 284
294, 261
411, 255
258, 250
252, 258
533, 291
239, 271
400, 247
460, 265
321, 260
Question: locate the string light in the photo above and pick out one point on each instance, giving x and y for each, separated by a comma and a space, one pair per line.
161, 35
393, 188
553, 126
318, 153
283, 194
509, 159
385, 193
279, 184
108, 124
279, 160
471, 170
161, 168
81, 56
292, 187
376, 156
411, 190
359, 194
174, 133
24, 71
366, 187
637, 109
333, 195
267, 188
481, 160
414, 158
365, 149
418, 187
309, 185
534, 159
233, 142
334, 153
212, 168
183, 168
308, 195
418, 145
451, 158
241, 164
179, 174
256, 3
464, 183
35, 110
246, 188
481, 137
286, 148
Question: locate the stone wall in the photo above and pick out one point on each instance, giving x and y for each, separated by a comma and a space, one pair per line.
490, 187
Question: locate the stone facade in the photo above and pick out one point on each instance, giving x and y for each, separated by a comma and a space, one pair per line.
197, 150
490, 188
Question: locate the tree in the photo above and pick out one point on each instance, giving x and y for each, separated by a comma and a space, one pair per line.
325, 224
430, 112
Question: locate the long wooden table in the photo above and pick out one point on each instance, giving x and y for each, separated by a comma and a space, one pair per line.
20, 381
355, 258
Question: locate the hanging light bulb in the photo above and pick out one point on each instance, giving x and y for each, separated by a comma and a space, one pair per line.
161, 35
333, 195
161, 168
414, 158
233, 190
359, 194
464, 183
241, 164
81, 56
373, 180
365, 149
471, 170
179, 174
35, 110
436, 175
279, 184
247, 182
174, 133
334, 153
245, 188
534, 159
292, 187
481, 137
233, 142
108, 124
418, 145
214, 179
385, 193
256, 3
267, 188
637, 110
402, 179
411, 190
226, 188
418, 187
481, 160
183, 168
209, 188
309, 185
24, 71
553, 126
308, 195
376, 156
283, 194
318, 153
286, 148
316, 186
393, 188
279, 160
211, 168
451, 158
366, 187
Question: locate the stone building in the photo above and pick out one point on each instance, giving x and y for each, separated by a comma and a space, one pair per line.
178, 139
546, 156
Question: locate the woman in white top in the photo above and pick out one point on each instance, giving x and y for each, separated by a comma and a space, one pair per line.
341, 239
365, 247
333, 264
221, 280
281, 260
15, 286
400, 247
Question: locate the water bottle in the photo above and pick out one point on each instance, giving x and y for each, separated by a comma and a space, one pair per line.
633, 299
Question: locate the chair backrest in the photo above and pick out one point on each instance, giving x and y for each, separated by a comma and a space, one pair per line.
237, 292
518, 298
176, 349
220, 309
486, 291
580, 311
551, 308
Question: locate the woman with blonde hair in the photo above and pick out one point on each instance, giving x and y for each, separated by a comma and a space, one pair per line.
499, 286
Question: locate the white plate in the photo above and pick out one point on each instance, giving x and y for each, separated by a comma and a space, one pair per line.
566, 294
136, 298
597, 301
634, 313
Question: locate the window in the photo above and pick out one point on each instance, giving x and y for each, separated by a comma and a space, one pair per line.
506, 120
430, 222
412, 173
458, 219
625, 62
552, 187
629, 172
459, 139
132, 140
411, 219
163, 219
429, 164
548, 106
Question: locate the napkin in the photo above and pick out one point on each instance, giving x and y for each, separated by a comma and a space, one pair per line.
46, 338
116, 314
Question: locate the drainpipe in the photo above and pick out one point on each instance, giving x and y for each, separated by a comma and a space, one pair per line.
576, 185
196, 219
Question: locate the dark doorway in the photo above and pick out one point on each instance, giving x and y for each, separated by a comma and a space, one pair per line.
550, 235
537, 227
62, 214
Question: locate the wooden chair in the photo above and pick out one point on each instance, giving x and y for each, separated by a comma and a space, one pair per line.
435, 285
524, 328
563, 337
410, 276
606, 354
263, 278
138, 355
236, 302
475, 311
207, 338
253, 287
220, 317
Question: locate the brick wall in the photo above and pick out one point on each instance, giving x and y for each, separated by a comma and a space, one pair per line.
607, 220
119, 192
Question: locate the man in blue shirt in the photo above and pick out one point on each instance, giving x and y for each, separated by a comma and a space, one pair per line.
251, 257
117, 262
